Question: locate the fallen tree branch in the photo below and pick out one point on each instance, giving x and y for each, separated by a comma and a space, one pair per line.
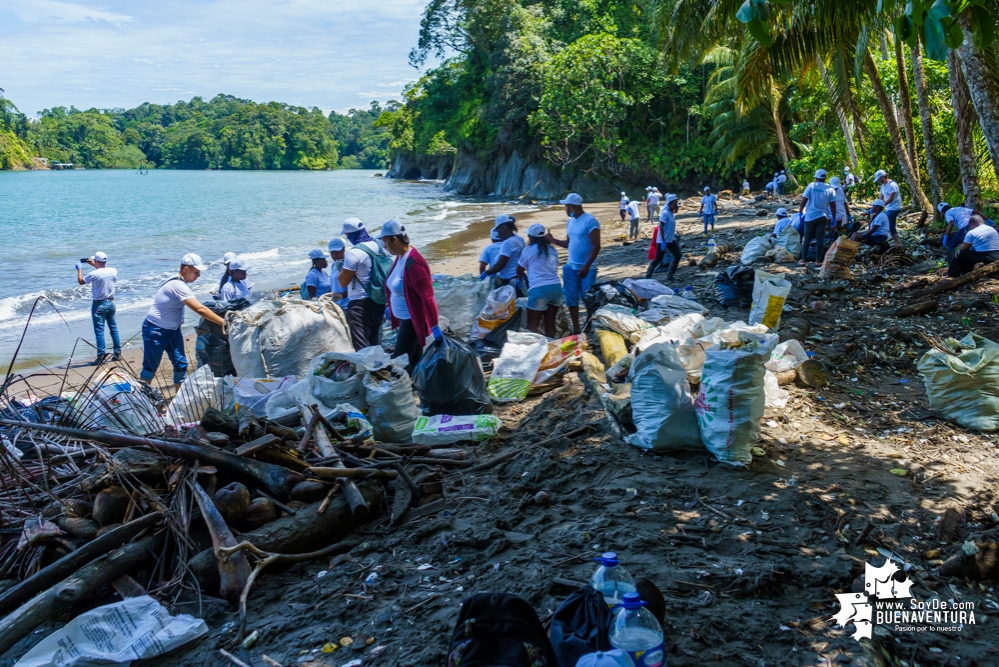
954, 283
233, 573
353, 473
921, 308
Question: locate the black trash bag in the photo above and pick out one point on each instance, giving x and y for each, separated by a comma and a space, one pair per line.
580, 625
450, 381
499, 629
734, 286
609, 292
213, 345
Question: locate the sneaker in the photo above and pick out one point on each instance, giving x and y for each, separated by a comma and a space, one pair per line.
99, 361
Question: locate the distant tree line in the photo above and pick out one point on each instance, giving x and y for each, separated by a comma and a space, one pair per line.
223, 133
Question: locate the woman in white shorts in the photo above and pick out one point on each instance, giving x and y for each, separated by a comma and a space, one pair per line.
539, 263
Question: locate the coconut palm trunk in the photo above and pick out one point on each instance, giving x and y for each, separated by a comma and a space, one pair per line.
926, 121
982, 87
905, 109
843, 122
964, 120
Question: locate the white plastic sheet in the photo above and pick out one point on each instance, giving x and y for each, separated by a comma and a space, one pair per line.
200, 391
647, 288
676, 331
253, 393
786, 356
621, 319
661, 404
675, 302
115, 635
776, 397
460, 299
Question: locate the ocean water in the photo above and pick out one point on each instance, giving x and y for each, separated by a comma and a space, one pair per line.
146, 223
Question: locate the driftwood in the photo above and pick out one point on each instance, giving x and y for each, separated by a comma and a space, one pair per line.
953, 283
233, 572
712, 258
277, 480
70, 563
60, 598
353, 473
920, 308
258, 445
354, 497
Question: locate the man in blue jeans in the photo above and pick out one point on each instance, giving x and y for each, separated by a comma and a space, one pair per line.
161, 328
580, 271
102, 283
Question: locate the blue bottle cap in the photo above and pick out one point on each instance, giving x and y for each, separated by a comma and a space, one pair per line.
633, 601
609, 559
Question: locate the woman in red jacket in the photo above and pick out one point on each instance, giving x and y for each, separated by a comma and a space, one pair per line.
410, 289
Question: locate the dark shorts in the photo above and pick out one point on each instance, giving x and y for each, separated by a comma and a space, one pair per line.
365, 318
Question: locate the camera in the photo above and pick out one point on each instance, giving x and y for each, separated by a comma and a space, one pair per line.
84, 260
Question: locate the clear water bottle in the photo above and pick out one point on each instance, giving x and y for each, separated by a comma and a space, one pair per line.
688, 293
635, 630
711, 245
611, 580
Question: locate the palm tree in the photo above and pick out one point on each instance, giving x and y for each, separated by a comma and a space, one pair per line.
979, 68
964, 120
926, 121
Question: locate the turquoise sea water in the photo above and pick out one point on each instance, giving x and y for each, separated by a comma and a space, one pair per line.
146, 223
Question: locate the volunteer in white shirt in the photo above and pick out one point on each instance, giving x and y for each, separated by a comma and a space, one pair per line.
781, 180
783, 222
102, 282
892, 197
878, 231
709, 207
161, 330
635, 211
981, 245
505, 268
745, 188
653, 204
538, 264
580, 271
816, 201
623, 206
490, 253
842, 216
228, 257
957, 218
851, 180
238, 286
364, 314
666, 239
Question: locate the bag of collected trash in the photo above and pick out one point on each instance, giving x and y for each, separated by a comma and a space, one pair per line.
200, 391
560, 354
621, 319
786, 356
499, 629
769, 294
278, 337
661, 405
517, 366
676, 331
115, 402
647, 288
756, 248
499, 308
213, 344
776, 397
964, 386
732, 396
254, 393
676, 302
734, 287
838, 258
392, 408
336, 377
115, 634
460, 299
349, 420
611, 292
790, 241
443, 429
450, 381
580, 625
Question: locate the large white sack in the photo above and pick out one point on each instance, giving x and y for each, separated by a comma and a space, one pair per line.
350, 390
278, 337
790, 240
661, 406
200, 391
460, 300
732, 396
769, 294
692, 350
517, 366
755, 249
676, 331
964, 387
392, 407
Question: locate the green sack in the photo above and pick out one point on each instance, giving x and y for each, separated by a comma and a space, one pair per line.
964, 387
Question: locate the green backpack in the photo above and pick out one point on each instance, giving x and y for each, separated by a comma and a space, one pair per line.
381, 266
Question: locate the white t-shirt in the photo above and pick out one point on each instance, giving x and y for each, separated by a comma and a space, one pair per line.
851, 179
840, 200
781, 225
667, 227
819, 195
511, 248
624, 203
357, 260
745, 185
709, 203
397, 290
879, 225
102, 282
633, 210
886, 190
653, 199
490, 253
542, 270
580, 245
957, 215
983, 238
231, 290
167, 311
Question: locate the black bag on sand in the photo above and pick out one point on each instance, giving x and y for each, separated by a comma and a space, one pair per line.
499, 630
580, 625
450, 381
612, 291
734, 286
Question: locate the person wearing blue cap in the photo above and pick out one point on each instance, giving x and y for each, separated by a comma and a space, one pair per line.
317, 282
879, 228
365, 266
580, 271
489, 254
102, 281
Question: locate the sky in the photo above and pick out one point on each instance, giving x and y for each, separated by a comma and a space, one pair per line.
334, 54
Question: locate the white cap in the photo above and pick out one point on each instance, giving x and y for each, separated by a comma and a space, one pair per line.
228, 257
707, 189
391, 228
834, 181
351, 225
782, 171
190, 259
316, 253
671, 197
573, 199
846, 169
494, 235
879, 173
623, 194
782, 212
239, 265
878, 202
820, 173
336, 245
942, 206
100, 257
612, 658
504, 219
536, 230
648, 188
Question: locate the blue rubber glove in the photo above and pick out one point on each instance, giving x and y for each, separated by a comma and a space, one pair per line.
945, 239
79, 266
483, 275
436, 331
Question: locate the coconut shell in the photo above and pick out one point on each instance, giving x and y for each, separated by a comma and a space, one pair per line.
110, 506
79, 509
261, 511
232, 501
309, 491
83, 528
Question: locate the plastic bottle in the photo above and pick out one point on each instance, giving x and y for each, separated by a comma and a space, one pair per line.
711, 244
635, 630
688, 293
611, 580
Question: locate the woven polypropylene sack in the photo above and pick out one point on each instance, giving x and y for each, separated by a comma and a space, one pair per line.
964, 387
